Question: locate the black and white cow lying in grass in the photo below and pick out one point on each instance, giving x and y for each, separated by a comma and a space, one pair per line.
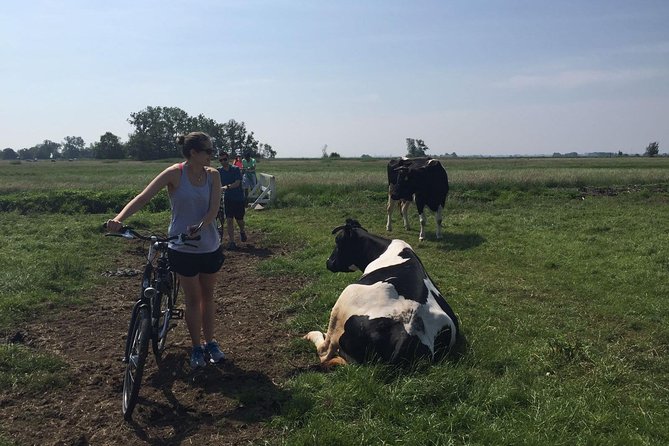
393, 313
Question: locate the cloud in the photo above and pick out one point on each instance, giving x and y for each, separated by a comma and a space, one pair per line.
578, 78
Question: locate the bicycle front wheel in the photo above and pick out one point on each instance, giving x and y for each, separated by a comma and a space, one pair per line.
139, 335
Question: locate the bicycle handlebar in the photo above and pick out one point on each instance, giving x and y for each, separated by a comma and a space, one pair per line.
130, 233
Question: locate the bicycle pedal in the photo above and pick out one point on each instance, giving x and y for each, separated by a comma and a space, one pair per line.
177, 313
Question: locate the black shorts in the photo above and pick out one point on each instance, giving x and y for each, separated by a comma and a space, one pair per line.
191, 264
234, 209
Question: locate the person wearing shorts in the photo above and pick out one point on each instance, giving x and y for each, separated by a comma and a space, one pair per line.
234, 202
194, 189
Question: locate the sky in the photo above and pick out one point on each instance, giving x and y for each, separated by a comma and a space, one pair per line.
474, 77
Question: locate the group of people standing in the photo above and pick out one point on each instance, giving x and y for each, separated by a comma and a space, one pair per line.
194, 189
237, 179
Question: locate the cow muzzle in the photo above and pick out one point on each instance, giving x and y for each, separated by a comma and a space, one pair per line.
336, 267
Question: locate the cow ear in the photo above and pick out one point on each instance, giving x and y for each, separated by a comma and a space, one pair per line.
337, 229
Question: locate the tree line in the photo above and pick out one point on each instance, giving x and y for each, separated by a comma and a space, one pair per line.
154, 137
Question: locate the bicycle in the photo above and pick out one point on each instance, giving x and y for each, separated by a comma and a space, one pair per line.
221, 216
152, 313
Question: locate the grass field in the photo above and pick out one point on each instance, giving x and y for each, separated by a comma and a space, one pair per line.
557, 268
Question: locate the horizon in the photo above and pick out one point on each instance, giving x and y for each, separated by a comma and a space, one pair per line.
478, 78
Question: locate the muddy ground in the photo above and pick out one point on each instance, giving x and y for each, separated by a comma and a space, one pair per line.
223, 405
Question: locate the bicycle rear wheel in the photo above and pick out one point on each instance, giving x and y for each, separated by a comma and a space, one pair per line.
221, 219
164, 322
175, 288
161, 328
139, 335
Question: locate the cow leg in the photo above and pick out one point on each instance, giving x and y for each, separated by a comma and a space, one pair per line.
389, 209
421, 218
404, 208
325, 349
437, 216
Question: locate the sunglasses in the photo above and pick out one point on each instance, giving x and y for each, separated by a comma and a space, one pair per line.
222, 159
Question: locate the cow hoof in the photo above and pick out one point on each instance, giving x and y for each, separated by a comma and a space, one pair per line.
332, 363
314, 336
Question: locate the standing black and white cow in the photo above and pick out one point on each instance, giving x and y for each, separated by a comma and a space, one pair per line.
393, 313
423, 180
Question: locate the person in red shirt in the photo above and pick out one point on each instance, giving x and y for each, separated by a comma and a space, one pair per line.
238, 162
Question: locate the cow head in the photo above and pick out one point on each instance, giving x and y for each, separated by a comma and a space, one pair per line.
401, 190
344, 257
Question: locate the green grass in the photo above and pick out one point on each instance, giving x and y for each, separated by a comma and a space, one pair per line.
25, 371
561, 294
292, 175
52, 260
563, 304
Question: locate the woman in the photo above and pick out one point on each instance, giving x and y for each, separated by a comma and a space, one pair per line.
194, 189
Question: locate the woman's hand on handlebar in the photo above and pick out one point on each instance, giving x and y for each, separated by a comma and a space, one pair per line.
113, 225
194, 229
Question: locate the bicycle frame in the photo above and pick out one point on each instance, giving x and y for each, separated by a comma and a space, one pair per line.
151, 294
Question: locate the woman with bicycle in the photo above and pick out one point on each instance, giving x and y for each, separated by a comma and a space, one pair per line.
194, 189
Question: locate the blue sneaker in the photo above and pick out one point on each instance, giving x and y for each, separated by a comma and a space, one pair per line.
214, 352
197, 358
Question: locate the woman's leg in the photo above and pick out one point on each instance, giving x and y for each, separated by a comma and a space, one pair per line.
193, 298
208, 306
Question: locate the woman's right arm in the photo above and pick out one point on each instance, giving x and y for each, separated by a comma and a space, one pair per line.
163, 179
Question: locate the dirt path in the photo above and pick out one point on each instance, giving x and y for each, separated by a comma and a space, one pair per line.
223, 405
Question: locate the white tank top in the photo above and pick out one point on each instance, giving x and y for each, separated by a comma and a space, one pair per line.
189, 206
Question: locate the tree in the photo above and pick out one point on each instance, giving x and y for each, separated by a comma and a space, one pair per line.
156, 132
87, 152
334, 155
251, 145
109, 147
652, 149
9, 154
48, 149
73, 146
212, 128
156, 129
234, 137
416, 148
26, 154
267, 151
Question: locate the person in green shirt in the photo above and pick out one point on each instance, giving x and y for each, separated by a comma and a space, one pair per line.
249, 168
